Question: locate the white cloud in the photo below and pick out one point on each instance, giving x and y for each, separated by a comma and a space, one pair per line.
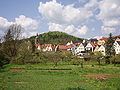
91, 4
98, 37
109, 9
58, 13
4, 24
30, 25
109, 15
111, 22
56, 27
70, 29
109, 12
107, 30
82, 31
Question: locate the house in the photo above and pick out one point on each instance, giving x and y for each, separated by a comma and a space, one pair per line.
102, 50
90, 46
38, 46
69, 43
102, 41
65, 47
96, 48
117, 47
118, 39
46, 47
80, 48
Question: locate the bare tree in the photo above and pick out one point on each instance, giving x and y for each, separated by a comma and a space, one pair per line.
11, 43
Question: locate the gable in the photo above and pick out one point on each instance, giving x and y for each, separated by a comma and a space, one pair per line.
117, 43
101, 48
89, 45
81, 45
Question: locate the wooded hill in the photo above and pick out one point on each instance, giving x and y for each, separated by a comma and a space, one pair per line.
56, 38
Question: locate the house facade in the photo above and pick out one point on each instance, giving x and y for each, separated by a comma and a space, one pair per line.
90, 46
80, 48
117, 47
102, 50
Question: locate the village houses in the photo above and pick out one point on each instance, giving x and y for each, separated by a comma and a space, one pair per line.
79, 48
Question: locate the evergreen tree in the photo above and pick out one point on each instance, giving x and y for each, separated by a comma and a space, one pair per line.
109, 48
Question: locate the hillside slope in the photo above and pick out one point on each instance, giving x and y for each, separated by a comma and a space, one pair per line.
56, 38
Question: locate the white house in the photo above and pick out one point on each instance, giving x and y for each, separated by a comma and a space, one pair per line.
69, 43
117, 47
90, 46
47, 47
73, 49
80, 48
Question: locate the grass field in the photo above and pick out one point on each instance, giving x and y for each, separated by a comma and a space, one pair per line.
88, 78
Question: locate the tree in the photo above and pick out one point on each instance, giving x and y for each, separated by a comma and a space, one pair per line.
115, 59
98, 56
3, 59
11, 43
24, 52
67, 56
109, 48
55, 57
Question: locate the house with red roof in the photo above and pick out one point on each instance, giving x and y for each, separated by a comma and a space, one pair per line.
65, 47
90, 46
102, 41
80, 48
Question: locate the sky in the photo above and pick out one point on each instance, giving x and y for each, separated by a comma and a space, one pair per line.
81, 18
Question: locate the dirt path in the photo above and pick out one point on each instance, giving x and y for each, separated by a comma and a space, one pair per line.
19, 70
102, 76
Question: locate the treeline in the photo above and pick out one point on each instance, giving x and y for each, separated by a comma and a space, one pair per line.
56, 38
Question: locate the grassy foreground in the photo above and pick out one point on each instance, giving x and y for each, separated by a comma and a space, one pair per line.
78, 78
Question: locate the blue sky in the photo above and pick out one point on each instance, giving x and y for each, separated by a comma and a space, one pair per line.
81, 18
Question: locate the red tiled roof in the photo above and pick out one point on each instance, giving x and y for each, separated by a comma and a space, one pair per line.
69, 46
116, 36
105, 39
36, 45
95, 43
92, 44
64, 47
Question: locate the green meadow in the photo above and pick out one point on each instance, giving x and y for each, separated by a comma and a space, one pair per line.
62, 77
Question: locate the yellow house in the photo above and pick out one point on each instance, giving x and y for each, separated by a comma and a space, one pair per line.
102, 41
100, 49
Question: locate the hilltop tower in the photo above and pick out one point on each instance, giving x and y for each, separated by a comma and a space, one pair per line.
36, 39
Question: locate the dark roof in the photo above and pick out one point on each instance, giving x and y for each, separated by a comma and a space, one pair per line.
118, 42
84, 44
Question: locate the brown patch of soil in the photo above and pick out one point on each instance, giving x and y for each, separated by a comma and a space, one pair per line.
102, 76
19, 70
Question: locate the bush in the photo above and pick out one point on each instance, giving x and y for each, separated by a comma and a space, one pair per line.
115, 59
3, 60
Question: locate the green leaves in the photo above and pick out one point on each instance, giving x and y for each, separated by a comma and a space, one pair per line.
56, 38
